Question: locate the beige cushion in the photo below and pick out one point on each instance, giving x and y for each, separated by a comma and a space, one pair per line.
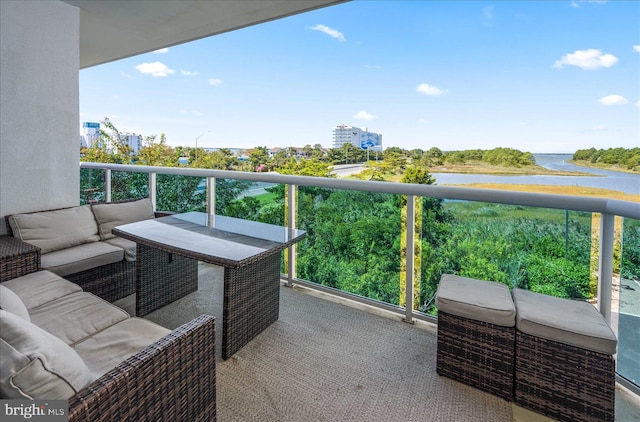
10, 302
38, 288
107, 348
127, 245
35, 364
566, 321
55, 230
110, 215
76, 316
486, 301
81, 258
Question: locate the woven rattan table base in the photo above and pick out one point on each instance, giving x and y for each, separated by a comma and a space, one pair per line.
564, 382
162, 277
476, 353
251, 302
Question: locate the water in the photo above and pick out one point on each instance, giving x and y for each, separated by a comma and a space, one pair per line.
602, 179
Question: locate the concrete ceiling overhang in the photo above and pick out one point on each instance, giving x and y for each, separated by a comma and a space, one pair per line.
115, 29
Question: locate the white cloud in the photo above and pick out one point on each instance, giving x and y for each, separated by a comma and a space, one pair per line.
215, 82
595, 129
162, 50
363, 115
429, 90
329, 31
638, 103
611, 100
487, 12
586, 59
188, 72
575, 4
636, 48
155, 69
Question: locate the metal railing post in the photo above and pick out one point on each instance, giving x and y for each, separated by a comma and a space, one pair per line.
153, 190
211, 201
605, 265
410, 258
107, 185
291, 205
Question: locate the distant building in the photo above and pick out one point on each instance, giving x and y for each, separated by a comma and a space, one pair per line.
134, 141
89, 134
358, 137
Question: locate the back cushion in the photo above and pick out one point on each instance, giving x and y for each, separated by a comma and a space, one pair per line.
109, 216
55, 230
37, 365
10, 302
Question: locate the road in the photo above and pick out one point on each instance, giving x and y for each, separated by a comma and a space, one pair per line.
344, 170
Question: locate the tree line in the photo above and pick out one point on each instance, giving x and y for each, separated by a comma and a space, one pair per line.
619, 157
355, 239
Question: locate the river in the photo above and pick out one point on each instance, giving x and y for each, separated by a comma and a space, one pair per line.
602, 179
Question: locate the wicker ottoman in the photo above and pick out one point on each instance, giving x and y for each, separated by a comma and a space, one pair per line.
564, 363
476, 334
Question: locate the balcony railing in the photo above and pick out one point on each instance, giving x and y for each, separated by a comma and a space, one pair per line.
594, 242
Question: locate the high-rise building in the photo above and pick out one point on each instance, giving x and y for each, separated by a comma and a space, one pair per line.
90, 134
358, 137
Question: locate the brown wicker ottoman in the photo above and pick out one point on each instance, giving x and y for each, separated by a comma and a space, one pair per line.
564, 363
476, 334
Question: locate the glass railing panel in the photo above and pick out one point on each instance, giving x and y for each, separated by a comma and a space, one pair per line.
92, 187
255, 201
353, 241
544, 250
127, 185
627, 296
176, 193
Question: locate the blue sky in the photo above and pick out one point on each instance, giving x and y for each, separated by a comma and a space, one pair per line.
539, 76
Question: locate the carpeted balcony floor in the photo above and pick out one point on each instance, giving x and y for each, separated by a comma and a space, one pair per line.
329, 359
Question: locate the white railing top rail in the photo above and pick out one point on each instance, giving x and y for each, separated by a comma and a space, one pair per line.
566, 202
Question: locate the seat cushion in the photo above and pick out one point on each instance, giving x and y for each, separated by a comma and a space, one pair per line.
38, 288
116, 214
81, 258
127, 245
111, 346
486, 301
57, 229
10, 302
35, 364
565, 321
76, 316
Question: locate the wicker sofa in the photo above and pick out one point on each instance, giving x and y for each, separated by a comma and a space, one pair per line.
76, 243
59, 342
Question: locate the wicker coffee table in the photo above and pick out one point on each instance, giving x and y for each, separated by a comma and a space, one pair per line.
169, 248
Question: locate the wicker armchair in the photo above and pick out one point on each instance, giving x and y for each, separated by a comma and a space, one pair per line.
173, 379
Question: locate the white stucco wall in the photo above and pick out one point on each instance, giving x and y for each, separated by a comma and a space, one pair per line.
39, 106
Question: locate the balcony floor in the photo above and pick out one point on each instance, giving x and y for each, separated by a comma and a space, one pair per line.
330, 359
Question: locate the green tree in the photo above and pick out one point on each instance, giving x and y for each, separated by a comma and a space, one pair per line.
433, 157
312, 167
258, 156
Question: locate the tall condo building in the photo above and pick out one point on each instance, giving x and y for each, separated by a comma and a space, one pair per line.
90, 135
358, 137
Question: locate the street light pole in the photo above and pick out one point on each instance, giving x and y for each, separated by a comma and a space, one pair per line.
198, 137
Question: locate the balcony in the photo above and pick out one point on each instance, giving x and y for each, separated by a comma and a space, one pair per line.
330, 358
331, 364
